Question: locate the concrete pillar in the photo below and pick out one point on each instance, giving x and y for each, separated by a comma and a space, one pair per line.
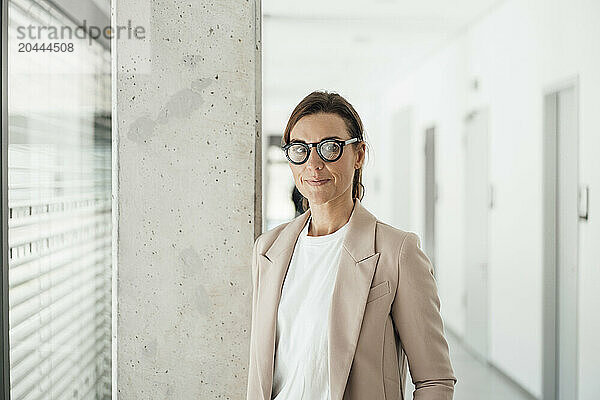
186, 188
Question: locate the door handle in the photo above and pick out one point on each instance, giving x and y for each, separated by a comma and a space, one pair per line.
583, 203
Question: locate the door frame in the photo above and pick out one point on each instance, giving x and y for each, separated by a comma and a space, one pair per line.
430, 193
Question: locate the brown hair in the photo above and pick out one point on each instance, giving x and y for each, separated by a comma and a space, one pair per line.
330, 103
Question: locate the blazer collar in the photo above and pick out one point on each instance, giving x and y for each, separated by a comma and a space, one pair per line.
359, 241
358, 262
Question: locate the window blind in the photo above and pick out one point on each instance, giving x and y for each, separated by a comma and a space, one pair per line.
59, 198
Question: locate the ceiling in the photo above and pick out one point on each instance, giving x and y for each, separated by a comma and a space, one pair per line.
353, 47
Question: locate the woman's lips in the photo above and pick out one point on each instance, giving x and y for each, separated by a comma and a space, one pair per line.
317, 182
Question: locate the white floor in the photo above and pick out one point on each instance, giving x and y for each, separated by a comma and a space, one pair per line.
475, 379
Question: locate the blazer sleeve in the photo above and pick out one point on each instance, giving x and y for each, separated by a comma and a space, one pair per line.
416, 315
253, 388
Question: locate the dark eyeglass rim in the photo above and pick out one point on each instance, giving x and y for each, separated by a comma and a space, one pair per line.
318, 145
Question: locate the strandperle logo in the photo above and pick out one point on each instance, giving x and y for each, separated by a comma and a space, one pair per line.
36, 32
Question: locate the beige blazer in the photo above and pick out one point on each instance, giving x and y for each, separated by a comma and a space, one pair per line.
384, 310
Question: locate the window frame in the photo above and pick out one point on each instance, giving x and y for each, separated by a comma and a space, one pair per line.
4, 336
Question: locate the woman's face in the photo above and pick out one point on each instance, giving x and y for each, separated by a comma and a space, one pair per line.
337, 175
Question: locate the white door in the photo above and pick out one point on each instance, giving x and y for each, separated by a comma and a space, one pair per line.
477, 204
567, 235
561, 230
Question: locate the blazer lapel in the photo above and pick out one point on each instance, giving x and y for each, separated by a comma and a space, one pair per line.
273, 266
358, 262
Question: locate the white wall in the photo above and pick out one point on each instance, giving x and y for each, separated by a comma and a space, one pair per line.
516, 53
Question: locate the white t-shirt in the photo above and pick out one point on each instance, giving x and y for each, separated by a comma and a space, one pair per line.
301, 370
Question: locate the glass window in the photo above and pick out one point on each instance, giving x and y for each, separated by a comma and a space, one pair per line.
59, 199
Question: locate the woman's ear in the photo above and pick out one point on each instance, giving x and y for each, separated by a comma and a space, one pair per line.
360, 155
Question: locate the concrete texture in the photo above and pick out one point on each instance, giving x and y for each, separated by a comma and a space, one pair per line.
187, 204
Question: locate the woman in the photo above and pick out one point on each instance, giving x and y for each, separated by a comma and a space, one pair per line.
340, 299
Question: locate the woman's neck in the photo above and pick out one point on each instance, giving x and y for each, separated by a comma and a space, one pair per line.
329, 217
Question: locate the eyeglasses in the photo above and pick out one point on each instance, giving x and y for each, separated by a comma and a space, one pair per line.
329, 150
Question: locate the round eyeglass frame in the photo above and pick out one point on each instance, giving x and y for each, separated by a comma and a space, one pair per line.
318, 145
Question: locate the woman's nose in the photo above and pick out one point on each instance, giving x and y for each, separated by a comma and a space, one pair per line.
314, 161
